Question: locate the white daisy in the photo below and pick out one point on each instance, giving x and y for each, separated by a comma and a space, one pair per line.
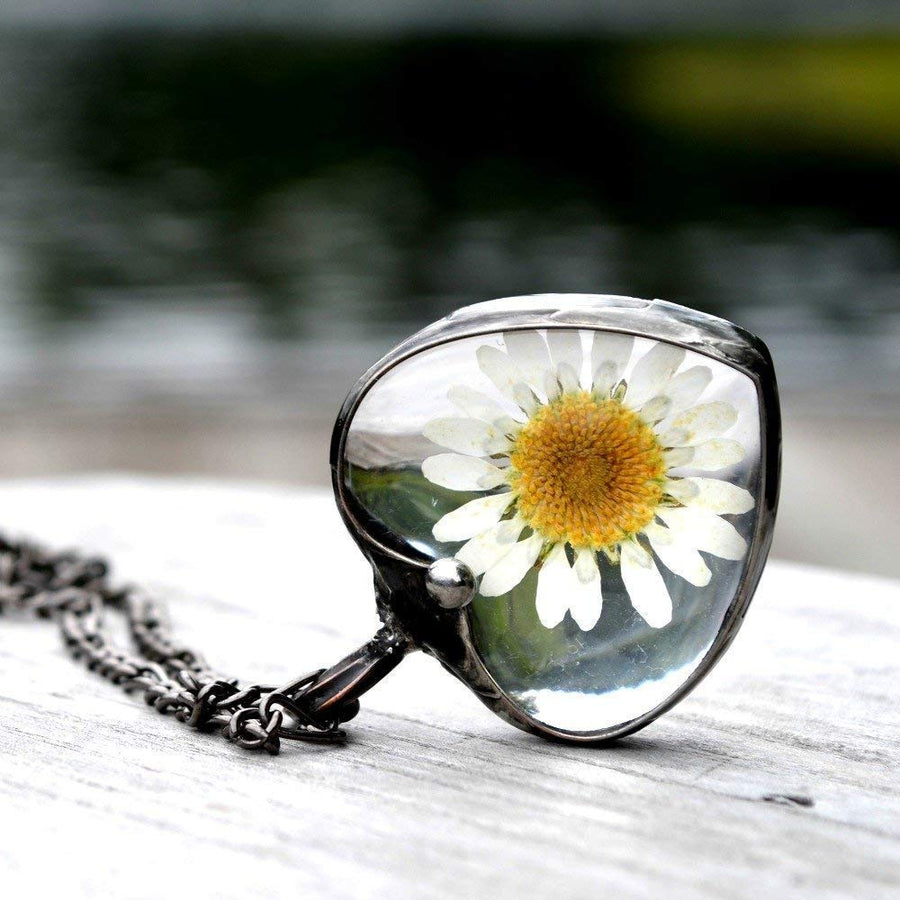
578, 470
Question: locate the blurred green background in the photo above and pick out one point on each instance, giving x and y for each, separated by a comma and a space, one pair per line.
209, 227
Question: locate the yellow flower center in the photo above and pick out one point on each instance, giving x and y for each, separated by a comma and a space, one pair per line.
587, 471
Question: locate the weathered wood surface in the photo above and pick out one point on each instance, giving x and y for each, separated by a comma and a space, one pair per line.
433, 796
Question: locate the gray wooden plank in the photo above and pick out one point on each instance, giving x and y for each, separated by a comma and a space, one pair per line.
433, 796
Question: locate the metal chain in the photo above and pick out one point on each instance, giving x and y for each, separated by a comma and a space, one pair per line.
76, 591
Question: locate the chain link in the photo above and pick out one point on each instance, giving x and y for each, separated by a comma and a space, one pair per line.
76, 591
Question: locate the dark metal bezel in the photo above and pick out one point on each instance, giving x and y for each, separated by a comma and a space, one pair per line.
403, 601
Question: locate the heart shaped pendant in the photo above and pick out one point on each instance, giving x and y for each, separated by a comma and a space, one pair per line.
566, 499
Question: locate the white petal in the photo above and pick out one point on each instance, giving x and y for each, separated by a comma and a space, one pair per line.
480, 553
710, 456
509, 426
470, 436
462, 473
646, 589
676, 557
698, 424
526, 399
489, 547
719, 453
678, 457
705, 531
476, 405
504, 575
586, 565
568, 378
605, 379
687, 386
652, 372
610, 354
528, 350
472, 518
560, 588
500, 369
586, 598
711, 494
655, 410
552, 387
565, 347
556, 581
586, 605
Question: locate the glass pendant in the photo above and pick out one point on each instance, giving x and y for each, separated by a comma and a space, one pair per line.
567, 499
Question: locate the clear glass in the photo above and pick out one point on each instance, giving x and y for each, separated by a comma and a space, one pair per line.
583, 626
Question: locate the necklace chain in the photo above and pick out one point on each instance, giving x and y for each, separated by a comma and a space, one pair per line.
76, 591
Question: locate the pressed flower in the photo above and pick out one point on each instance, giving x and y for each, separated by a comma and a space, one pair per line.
575, 467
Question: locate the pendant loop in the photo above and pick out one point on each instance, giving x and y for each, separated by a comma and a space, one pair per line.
335, 692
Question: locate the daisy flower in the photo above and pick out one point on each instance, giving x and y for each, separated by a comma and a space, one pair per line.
574, 468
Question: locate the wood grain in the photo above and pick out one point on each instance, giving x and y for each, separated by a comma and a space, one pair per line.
776, 778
